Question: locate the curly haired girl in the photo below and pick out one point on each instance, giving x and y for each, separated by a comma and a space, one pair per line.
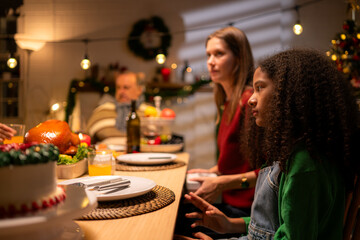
305, 122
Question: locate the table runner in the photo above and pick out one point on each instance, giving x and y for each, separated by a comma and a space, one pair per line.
128, 167
157, 198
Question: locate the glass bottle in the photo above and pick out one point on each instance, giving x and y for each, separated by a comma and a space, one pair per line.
133, 130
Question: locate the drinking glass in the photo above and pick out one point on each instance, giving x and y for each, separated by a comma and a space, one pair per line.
100, 162
19, 135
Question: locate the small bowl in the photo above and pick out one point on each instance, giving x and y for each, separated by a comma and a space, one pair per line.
153, 127
71, 170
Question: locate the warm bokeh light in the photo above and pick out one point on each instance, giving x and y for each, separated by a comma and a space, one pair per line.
174, 66
333, 57
11, 62
189, 69
85, 63
29, 42
298, 29
343, 36
160, 58
55, 107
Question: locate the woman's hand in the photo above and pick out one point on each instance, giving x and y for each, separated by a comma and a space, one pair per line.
198, 170
6, 132
210, 216
210, 188
198, 235
214, 169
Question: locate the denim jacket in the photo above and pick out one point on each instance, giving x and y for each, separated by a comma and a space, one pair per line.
264, 211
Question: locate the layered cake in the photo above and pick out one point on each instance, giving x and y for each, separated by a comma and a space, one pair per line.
28, 179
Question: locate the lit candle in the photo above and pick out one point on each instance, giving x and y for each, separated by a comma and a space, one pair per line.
85, 139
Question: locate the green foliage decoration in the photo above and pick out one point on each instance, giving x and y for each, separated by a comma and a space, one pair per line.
88, 84
345, 52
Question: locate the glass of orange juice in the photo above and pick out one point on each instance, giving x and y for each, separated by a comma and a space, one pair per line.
19, 135
100, 162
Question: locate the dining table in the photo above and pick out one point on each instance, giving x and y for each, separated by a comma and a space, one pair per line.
158, 224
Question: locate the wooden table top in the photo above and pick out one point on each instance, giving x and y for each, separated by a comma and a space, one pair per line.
154, 225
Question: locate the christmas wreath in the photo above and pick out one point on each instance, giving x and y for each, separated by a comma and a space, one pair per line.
149, 37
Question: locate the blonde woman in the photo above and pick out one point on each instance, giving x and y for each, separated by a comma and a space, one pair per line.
230, 64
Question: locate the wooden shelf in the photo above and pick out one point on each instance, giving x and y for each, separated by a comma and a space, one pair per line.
167, 86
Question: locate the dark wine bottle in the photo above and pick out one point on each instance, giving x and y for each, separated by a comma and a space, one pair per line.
133, 130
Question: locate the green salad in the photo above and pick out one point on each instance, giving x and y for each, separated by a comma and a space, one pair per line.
81, 153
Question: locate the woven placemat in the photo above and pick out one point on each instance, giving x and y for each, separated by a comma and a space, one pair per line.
128, 167
157, 198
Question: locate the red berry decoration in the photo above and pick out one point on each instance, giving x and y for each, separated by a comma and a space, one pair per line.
157, 140
24, 209
12, 210
35, 206
342, 44
52, 202
45, 204
2, 212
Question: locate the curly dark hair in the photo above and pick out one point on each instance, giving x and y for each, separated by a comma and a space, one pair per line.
312, 104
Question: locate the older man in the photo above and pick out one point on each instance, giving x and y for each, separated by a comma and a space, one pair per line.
108, 121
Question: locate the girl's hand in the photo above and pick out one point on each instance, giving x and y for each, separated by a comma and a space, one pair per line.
198, 235
210, 216
6, 132
202, 236
210, 188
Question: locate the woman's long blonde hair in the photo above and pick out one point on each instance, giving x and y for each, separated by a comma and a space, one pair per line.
237, 42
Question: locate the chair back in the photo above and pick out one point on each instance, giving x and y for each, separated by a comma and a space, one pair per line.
352, 214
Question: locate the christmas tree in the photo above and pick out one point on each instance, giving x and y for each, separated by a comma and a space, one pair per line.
345, 50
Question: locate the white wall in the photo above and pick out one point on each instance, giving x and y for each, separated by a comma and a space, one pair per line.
53, 67
321, 21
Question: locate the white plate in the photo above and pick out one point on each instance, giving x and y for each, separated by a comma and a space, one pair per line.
78, 202
146, 158
138, 186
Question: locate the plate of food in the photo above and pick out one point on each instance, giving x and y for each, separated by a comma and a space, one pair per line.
163, 143
146, 158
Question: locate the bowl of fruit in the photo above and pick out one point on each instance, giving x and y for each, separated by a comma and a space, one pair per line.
156, 132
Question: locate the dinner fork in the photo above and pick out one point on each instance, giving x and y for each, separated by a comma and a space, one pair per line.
124, 183
106, 183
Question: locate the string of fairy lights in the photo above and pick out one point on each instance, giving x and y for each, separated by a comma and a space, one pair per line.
161, 57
